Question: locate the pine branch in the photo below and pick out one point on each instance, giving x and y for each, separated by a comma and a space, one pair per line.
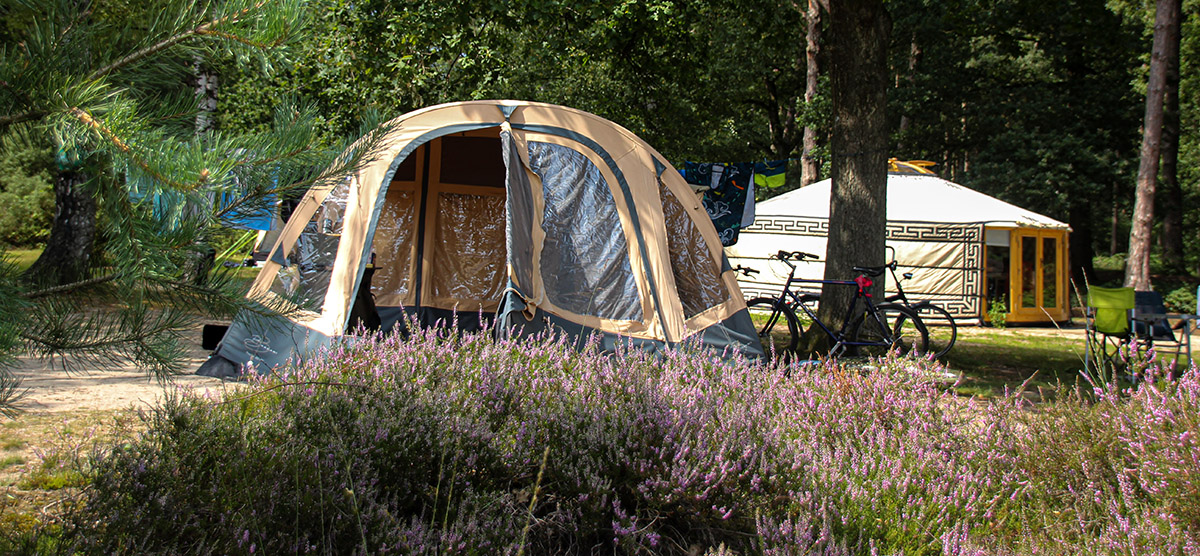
205, 29
6, 121
235, 38
124, 147
30, 115
69, 287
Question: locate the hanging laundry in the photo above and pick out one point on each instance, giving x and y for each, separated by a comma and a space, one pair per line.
730, 190
770, 174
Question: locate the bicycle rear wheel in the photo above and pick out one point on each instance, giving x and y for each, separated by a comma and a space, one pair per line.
890, 327
929, 312
778, 340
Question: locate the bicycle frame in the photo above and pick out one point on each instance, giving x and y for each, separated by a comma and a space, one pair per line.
839, 337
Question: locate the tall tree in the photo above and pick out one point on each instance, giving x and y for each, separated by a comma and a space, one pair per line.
858, 204
1173, 207
1137, 266
810, 165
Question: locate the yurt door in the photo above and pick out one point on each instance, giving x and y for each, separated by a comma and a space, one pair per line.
1039, 292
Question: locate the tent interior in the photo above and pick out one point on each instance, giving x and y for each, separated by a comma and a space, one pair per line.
439, 245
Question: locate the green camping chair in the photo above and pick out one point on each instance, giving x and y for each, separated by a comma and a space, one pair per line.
1107, 316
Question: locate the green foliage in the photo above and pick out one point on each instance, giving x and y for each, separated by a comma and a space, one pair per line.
998, 313
1036, 106
26, 192
1181, 300
1115, 261
694, 90
105, 86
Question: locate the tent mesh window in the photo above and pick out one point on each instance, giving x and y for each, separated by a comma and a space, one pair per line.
309, 268
697, 274
585, 258
468, 251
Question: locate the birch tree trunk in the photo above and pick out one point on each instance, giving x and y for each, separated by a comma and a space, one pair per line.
1137, 267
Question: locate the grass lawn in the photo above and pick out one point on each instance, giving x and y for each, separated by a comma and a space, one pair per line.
992, 359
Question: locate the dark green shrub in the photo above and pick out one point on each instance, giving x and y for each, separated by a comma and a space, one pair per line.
26, 193
1181, 300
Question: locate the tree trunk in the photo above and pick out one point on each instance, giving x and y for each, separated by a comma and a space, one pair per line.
1172, 218
810, 169
1137, 267
67, 256
914, 55
1080, 216
206, 95
1114, 236
858, 204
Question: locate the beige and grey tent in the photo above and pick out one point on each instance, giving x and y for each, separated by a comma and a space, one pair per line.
526, 215
964, 248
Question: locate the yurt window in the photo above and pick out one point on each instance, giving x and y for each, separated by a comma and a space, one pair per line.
309, 266
697, 273
1028, 269
585, 257
1049, 272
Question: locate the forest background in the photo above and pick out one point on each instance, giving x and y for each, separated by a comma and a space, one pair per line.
1037, 103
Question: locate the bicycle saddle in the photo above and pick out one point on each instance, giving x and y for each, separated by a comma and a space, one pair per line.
871, 270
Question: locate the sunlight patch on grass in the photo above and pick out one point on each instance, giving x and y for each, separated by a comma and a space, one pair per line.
22, 258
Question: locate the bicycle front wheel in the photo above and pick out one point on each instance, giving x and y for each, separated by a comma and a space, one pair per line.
889, 327
778, 339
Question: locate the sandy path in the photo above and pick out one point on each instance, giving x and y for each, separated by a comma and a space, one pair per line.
50, 389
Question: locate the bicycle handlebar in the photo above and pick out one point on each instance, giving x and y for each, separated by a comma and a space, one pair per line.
745, 270
798, 255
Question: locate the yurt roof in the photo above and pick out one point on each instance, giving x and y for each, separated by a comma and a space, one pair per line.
915, 198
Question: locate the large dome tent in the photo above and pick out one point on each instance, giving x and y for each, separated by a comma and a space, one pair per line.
533, 215
965, 249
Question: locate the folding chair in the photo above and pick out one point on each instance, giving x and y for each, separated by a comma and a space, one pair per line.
1152, 328
1107, 317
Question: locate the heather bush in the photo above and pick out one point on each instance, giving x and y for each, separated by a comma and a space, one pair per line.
469, 445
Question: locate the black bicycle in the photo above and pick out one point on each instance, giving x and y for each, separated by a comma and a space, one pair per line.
880, 328
925, 309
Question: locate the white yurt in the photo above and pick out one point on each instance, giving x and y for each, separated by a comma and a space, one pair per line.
965, 250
